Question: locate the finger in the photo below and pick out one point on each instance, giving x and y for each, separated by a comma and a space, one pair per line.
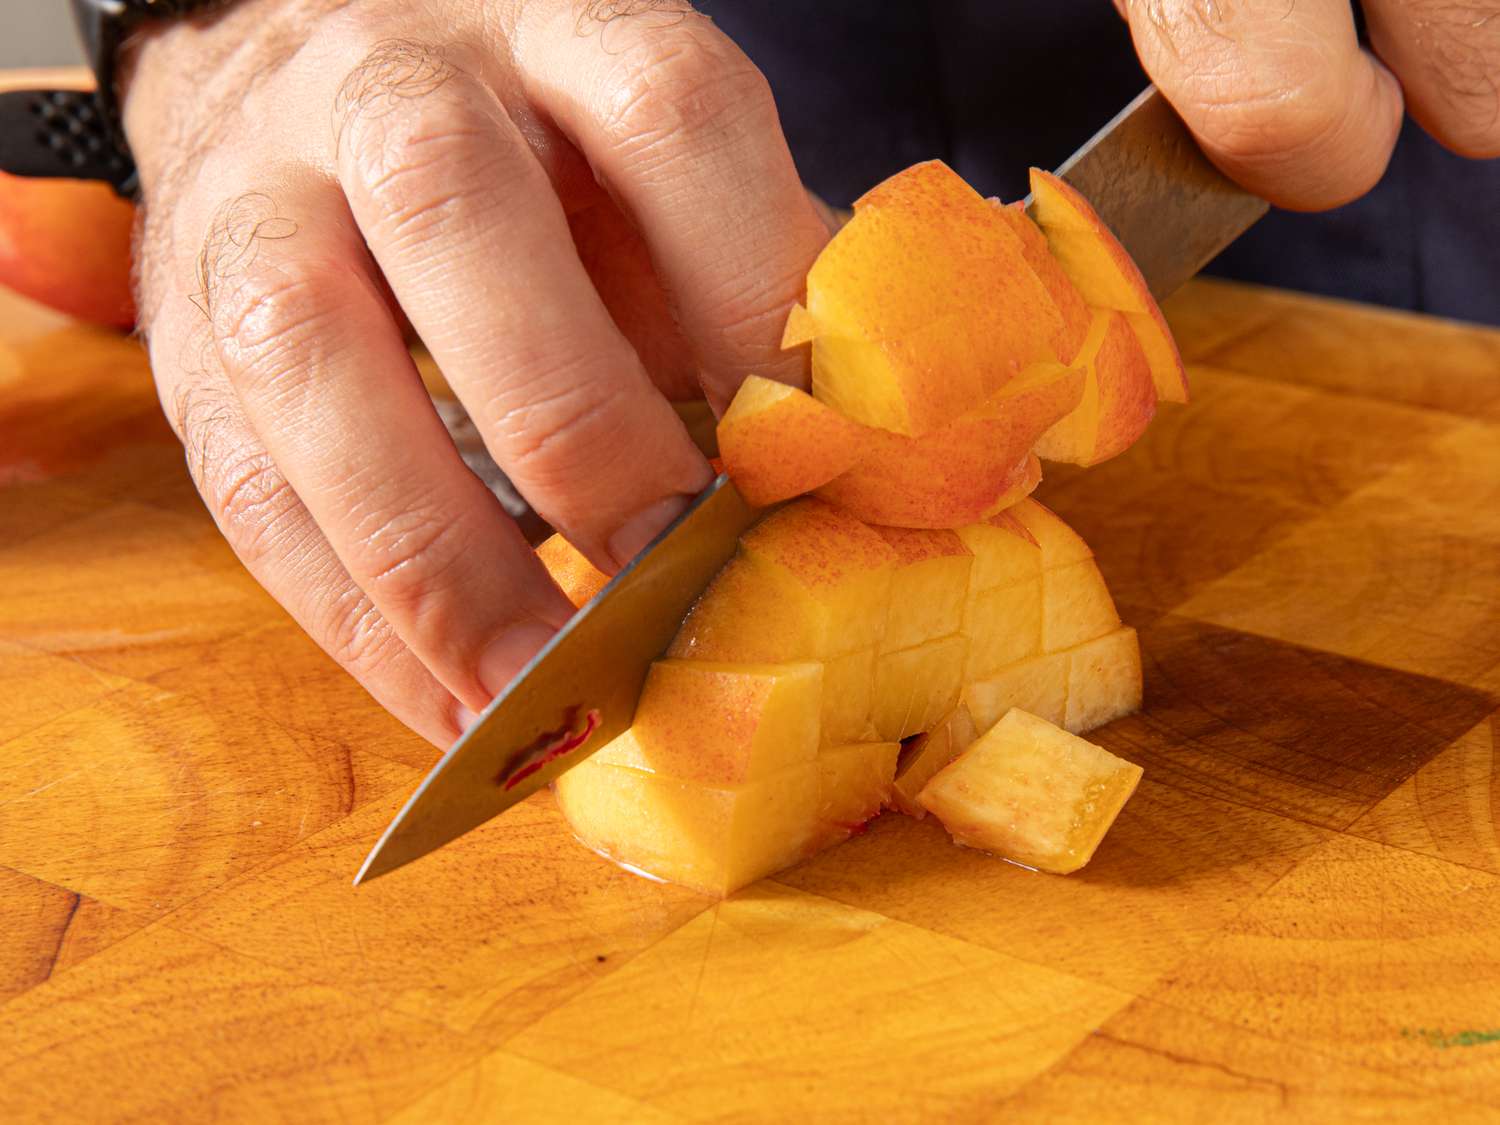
273, 534
683, 129
1280, 96
324, 378
463, 222
1447, 57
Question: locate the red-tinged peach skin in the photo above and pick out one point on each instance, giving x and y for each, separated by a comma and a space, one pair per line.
778, 442
836, 561
723, 724
924, 305
578, 578
1106, 275
1024, 481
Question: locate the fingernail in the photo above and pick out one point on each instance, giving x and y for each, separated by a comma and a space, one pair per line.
645, 526
509, 652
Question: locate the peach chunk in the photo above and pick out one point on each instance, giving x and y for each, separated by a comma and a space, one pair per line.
1076, 314
1004, 625
1059, 543
1106, 275
927, 753
842, 567
854, 783
1005, 552
1038, 685
916, 687
1104, 680
964, 471
848, 688
778, 442
923, 305
929, 587
1119, 399
710, 839
1076, 606
722, 724
1032, 793
578, 578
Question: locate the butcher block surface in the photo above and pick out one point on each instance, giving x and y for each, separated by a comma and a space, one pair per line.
1296, 918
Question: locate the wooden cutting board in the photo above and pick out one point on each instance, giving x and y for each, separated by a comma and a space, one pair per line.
1296, 918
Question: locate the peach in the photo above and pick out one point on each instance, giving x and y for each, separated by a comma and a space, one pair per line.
1106, 276
842, 566
1032, 793
1004, 625
854, 783
1104, 680
923, 305
578, 578
712, 840
722, 724
753, 612
66, 243
1118, 402
1038, 685
848, 687
778, 442
915, 687
927, 753
1075, 312
1076, 606
969, 469
1059, 543
929, 587
1005, 552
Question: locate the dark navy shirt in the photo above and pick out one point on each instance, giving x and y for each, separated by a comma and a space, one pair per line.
867, 87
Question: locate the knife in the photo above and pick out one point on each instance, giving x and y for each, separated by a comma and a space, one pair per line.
1164, 201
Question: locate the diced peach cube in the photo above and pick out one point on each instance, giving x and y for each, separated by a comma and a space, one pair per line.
929, 587
1038, 685
1060, 544
916, 687
723, 724
713, 840
753, 612
925, 754
1076, 606
1005, 553
848, 689
1104, 680
854, 784
1003, 625
1032, 793
841, 565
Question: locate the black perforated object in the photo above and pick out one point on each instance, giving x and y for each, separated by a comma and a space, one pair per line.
65, 133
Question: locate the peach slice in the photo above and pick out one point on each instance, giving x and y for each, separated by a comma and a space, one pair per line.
800, 328
1119, 398
923, 305
722, 724
854, 783
1038, 685
778, 442
712, 840
916, 687
929, 587
1104, 680
964, 471
1032, 793
1068, 340
1106, 275
1023, 484
838, 562
1076, 606
578, 578
927, 753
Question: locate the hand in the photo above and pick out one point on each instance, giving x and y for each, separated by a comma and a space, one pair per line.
1285, 101
314, 170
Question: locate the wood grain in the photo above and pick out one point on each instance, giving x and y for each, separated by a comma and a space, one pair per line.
1293, 920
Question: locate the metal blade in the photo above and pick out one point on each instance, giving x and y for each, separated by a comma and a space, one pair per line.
1154, 188
576, 694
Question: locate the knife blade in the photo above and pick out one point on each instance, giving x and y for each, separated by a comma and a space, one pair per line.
577, 693
1167, 204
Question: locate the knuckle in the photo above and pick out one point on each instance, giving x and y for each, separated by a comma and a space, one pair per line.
272, 323
683, 85
356, 635
556, 441
1274, 125
409, 560
253, 505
